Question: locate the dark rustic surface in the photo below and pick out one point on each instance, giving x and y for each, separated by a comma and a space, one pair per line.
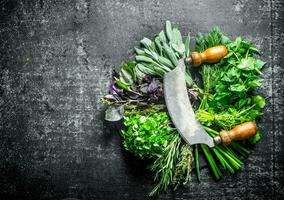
56, 58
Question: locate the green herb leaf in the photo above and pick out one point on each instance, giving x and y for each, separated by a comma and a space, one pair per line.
146, 42
147, 135
259, 101
127, 73
246, 64
122, 84
237, 88
259, 64
197, 162
187, 45
162, 37
256, 138
169, 31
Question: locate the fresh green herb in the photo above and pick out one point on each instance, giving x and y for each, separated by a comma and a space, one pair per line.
147, 136
164, 166
183, 168
255, 139
161, 56
150, 136
227, 119
143, 109
226, 100
196, 158
214, 38
127, 73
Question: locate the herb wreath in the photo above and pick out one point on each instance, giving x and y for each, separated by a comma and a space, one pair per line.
224, 100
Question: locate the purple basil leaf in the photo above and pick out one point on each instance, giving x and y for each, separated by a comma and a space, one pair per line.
117, 89
147, 79
114, 89
153, 86
110, 87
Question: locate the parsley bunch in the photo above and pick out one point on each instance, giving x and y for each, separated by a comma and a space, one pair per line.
147, 135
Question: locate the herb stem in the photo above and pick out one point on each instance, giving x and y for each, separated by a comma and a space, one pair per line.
197, 162
237, 56
212, 163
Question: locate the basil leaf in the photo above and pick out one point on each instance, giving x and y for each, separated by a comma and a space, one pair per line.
259, 101
254, 50
259, 63
254, 83
237, 88
246, 64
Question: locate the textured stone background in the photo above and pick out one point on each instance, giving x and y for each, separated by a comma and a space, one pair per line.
56, 59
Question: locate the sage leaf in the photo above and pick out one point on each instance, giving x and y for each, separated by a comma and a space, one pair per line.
158, 45
162, 37
171, 54
187, 45
146, 42
144, 59
169, 31
114, 113
139, 51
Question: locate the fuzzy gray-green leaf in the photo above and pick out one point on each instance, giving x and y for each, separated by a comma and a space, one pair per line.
187, 45
169, 31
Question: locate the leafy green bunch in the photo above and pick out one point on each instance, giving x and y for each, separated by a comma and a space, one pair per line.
156, 58
161, 56
147, 135
228, 85
227, 98
239, 75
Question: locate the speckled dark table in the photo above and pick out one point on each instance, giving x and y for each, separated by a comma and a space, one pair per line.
56, 59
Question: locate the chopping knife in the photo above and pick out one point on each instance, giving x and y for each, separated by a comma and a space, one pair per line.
180, 108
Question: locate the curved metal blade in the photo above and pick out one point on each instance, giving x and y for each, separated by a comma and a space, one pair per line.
180, 109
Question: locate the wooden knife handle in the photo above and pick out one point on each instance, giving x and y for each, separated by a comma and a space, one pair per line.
210, 55
240, 132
